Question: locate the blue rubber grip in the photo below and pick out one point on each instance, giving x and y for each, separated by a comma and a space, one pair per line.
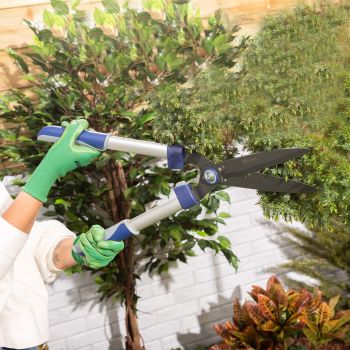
185, 196
176, 156
88, 138
121, 233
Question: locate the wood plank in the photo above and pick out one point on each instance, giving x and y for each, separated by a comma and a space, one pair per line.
5, 4
10, 74
247, 14
14, 33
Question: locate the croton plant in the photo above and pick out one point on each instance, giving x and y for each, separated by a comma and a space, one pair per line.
277, 319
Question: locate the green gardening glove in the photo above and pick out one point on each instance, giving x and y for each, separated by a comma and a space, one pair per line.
61, 158
97, 251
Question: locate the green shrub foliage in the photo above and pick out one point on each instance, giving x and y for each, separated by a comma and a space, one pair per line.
296, 93
293, 91
297, 84
106, 70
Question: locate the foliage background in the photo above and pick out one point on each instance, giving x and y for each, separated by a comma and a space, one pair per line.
106, 71
293, 91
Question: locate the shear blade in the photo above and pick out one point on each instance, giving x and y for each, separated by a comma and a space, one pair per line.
258, 161
267, 183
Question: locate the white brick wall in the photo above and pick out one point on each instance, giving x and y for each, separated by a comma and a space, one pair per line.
180, 309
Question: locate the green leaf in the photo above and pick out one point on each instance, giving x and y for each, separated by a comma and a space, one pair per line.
176, 233
18, 60
223, 196
109, 20
111, 5
60, 7
75, 4
99, 16
207, 45
49, 18
59, 21
146, 118
110, 63
224, 215
153, 4
61, 201
181, 2
219, 42
225, 242
71, 28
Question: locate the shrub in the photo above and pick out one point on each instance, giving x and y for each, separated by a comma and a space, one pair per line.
275, 318
293, 91
106, 70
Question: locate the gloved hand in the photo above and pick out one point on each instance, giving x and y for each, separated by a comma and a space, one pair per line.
61, 158
97, 251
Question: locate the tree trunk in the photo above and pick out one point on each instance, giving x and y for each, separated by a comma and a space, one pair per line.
120, 210
133, 339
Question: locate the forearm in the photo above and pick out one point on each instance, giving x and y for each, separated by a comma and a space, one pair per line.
23, 212
62, 255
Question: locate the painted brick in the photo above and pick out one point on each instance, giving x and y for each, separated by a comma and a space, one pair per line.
115, 343
147, 320
71, 296
237, 209
235, 224
176, 311
58, 345
170, 342
67, 329
179, 308
91, 337
156, 303
89, 292
249, 234
102, 318
178, 281
65, 282
156, 345
161, 330
75, 311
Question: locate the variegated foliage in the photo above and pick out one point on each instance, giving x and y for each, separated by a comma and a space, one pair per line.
322, 323
275, 317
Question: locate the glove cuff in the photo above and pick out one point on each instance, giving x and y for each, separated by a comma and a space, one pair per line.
41, 181
77, 257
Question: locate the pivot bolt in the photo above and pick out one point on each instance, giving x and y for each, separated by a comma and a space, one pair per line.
210, 176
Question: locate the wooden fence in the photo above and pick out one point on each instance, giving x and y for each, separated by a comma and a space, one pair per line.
15, 34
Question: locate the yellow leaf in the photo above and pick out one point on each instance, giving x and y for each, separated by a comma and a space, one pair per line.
269, 326
332, 303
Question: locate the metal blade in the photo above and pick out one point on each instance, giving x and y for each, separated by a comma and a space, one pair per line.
198, 160
267, 183
257, 161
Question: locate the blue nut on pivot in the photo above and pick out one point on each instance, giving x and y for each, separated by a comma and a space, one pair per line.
211, 176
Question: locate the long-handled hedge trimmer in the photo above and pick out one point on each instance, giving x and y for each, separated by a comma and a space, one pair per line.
238, 172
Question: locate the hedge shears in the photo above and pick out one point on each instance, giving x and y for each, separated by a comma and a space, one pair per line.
237, 172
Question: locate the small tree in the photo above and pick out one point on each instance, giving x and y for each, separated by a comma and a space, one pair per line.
106, 71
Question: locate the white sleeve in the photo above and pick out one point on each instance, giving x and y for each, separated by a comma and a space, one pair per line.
53, 232
11, 242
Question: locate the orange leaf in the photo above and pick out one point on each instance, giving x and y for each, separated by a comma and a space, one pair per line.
269, 326
273, 280
267, 307
324, 313
255, 313
255, 291
345, 318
